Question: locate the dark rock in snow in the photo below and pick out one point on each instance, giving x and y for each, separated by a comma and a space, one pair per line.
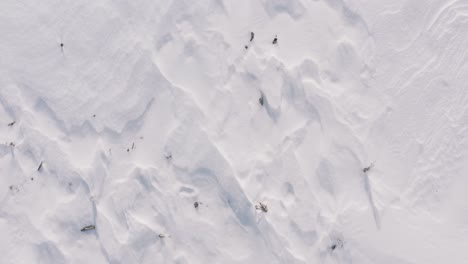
86, 228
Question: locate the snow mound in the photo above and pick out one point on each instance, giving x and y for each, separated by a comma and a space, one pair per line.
163, 125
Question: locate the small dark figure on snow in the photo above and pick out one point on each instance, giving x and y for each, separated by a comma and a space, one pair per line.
338, 244
61, 45
260, 100
11, 124
366, 169
169, 156
246, 47
86, 228
275, 40
40, 166
261, 206
252, 35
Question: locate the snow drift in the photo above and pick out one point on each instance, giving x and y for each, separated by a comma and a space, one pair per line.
151, 106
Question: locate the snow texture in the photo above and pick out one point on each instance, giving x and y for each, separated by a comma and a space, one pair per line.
122, 114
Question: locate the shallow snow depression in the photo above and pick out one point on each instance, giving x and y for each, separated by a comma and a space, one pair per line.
167, 132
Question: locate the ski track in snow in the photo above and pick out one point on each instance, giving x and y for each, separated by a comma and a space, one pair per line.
152, 105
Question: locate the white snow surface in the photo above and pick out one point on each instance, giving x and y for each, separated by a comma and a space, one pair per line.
152, 105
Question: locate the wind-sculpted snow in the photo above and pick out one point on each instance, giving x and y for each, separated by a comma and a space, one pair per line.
162, 125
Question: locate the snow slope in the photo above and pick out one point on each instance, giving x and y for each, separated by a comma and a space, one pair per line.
150, 106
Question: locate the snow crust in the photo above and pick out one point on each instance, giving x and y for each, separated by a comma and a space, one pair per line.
151, 106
